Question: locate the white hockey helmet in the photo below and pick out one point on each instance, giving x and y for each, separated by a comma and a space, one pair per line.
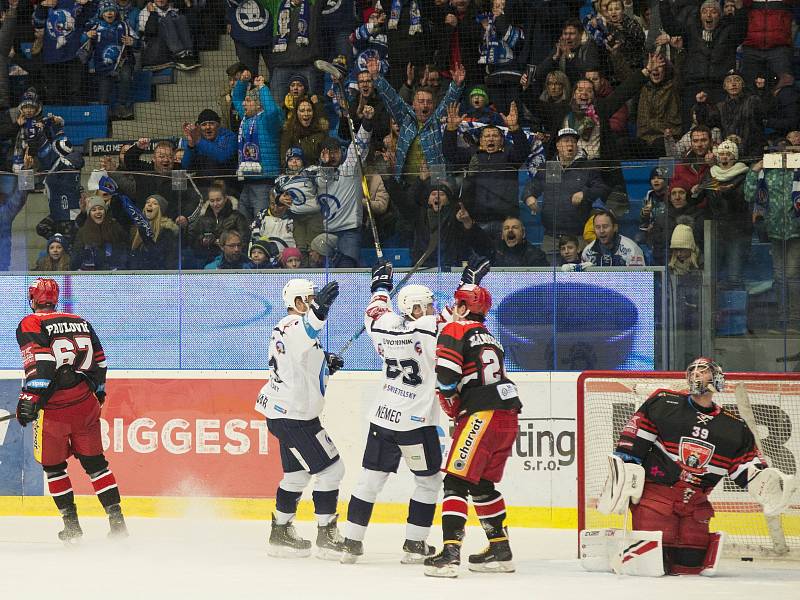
700, 365
298, 288
411, 296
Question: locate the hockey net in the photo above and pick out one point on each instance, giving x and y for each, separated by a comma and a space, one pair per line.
606, 400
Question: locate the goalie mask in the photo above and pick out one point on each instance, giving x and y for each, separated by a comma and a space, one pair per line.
298, 288
695, 376
411, 296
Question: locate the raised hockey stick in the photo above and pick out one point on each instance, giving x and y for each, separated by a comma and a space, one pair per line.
433, 243
774, 524
336, 75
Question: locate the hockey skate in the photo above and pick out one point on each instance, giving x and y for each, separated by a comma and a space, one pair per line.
353, 549
116, 520
72, 532
285, 543
416, 551
496, 558
446, 563
330, 543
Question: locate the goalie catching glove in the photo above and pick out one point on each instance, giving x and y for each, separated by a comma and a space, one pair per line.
771, 488
624, 484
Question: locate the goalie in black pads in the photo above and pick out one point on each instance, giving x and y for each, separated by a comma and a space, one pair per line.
670, 455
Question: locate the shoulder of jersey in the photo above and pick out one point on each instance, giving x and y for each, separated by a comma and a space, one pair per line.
667, 394
33, 321
728, 413
457, 329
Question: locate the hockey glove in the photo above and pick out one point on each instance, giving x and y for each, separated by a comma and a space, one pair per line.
382, 276
335, 362
451, 406
28, 407
476, 269
100, 392
321, 305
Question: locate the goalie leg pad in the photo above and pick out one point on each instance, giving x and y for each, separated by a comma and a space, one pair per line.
637, 553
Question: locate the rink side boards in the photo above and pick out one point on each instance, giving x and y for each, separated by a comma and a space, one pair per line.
212, 455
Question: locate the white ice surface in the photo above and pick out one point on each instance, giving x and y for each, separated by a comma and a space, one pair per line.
206, 558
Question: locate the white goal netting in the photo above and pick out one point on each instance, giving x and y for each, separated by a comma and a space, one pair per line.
607, 400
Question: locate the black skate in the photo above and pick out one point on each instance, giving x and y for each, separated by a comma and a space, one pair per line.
446, 563
330, 543
72, 532
416, 551
496, 558
353, 549
119, 529
285, 543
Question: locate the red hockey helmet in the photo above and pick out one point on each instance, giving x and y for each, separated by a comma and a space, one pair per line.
477, 299
44, 291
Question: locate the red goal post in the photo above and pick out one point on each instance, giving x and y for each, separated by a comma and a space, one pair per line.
607, 399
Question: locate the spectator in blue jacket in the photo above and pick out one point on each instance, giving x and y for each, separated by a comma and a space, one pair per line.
230, 242
419, 123
113, 41
259, 142
62, 22
250, 27
208, 148
12, 199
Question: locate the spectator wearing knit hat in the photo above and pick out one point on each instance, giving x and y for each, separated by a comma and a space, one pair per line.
665, 217
291, 258
101, 244
684, 256
722, 193
262, 255
322, 254
160, 252
296, 90
208, 147
55, 256
478, 109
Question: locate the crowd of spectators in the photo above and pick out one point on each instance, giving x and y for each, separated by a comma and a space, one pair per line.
455, 106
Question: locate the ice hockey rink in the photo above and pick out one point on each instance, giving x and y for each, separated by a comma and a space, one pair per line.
201, 557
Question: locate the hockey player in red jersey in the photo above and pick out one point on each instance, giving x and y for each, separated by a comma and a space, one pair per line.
680, 444
474, 390
62, 393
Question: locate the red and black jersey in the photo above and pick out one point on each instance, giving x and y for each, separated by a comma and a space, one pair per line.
469, 362
676, 440
62, 357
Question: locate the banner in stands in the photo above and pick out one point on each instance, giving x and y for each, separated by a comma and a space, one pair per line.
546, 320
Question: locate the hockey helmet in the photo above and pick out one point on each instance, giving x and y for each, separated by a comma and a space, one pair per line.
298, 288
413, 295
477, 299
43, 291
700, 365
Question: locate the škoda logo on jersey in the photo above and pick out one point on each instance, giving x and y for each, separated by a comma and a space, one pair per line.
695, 454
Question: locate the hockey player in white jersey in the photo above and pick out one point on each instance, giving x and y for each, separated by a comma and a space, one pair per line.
292, 400
405, 414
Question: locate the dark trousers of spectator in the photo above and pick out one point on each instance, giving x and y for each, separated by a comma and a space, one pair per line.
65, 82
250, 56
786, 271
763, 62
121, 81
337, 43
175, 33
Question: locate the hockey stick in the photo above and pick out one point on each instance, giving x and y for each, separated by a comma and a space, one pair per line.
433, 243
774, 524
7, 417
336, 75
